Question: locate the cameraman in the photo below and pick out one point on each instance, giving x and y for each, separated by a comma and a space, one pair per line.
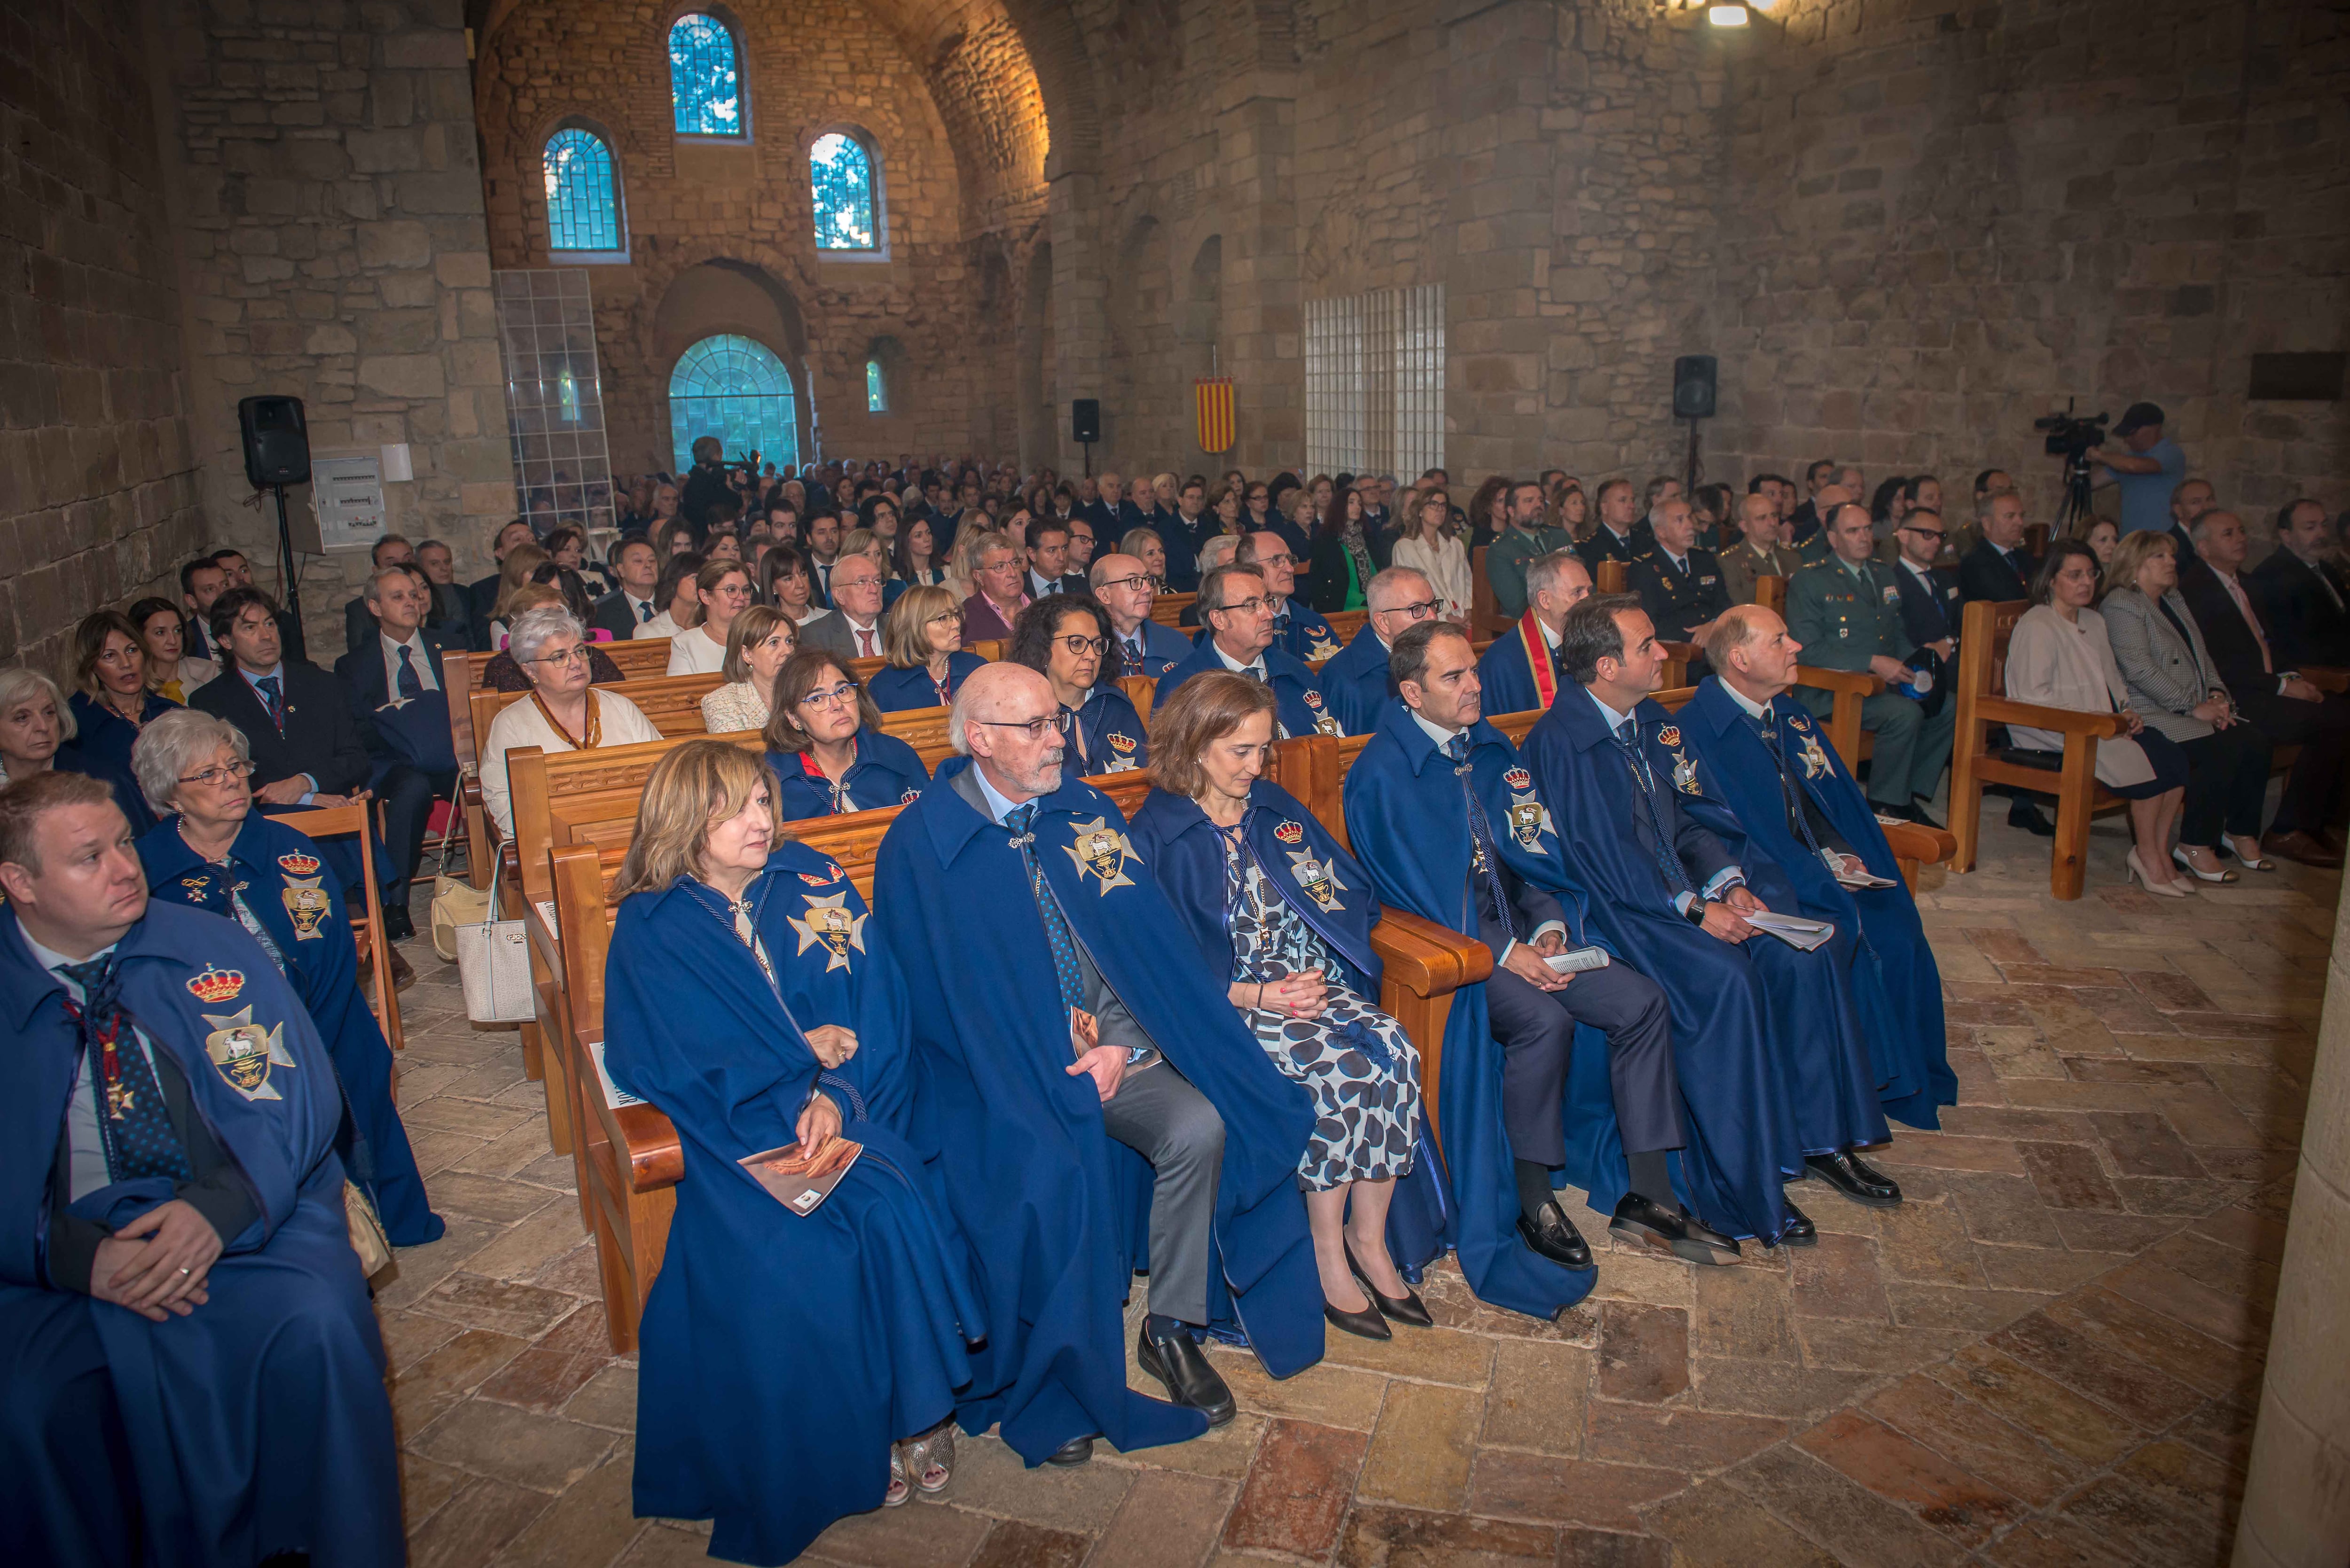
2147, 471
705, 485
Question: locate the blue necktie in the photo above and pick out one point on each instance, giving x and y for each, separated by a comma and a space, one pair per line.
644, 611
1021, 819
1627, 735
411, 685
272, 699
133, 1124
1485, 857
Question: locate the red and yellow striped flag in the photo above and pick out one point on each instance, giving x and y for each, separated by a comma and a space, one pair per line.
1218, 431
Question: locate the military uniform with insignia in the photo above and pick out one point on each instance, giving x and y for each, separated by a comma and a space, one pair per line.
1847, 613
1679, 595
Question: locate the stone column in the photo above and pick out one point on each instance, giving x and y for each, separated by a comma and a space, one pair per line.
2297, 1497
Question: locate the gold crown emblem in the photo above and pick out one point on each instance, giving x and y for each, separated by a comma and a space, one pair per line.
299, 864
217, 985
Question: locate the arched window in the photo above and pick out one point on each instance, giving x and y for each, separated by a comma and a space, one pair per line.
737, 389
877, 388
705, 78
583, 194
847, 205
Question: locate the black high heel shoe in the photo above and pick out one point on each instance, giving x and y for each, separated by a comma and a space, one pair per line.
1410, 1309
1364, 1325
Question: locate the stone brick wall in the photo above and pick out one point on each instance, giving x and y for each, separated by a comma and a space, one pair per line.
1938, 225
326, 202
97, 490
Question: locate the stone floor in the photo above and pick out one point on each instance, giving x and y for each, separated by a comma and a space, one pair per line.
2049, 1355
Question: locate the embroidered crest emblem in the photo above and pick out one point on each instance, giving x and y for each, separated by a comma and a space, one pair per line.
813, 880
1670, 736
306, 902
1313, 699
1321, 647
199, 889
1104, 851
243, 1052
1320, 883
1815, 761
831, 924
1799, 721
1684, 771
1519, 779
215, 986
1291, 833
1529, 820
832, 869
1122, 745
909, 797
297, 863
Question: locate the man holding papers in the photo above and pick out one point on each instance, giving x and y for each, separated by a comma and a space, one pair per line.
1787, 1089
1785, 783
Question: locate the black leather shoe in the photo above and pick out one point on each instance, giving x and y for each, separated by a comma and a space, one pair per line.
2026, 815
1800, 1230
1178, 1361
1856, 1179
1364, 1325
1639, 1220
1557, 1238
398, 926
1076, 1451
1410, 1309
1916, 814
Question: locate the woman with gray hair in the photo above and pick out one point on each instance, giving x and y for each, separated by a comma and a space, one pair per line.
562, 713
211, 851
37, 735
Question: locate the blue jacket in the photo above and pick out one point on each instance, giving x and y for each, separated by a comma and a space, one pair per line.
1301, 707
1355, 682
894, 691
887, 772
1116, 739
1303, 632
1507, 671
1163, 647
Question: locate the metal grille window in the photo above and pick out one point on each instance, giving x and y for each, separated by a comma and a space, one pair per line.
877, 388
737, 391
583, 202
704, 77
555, 399
1375, 381
840, 175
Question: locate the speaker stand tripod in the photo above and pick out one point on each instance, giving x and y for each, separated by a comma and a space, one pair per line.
289, 575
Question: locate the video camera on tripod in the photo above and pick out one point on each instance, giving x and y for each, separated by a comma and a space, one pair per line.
2073, 437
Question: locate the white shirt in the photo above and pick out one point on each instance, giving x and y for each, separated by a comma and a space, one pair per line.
85, 1170
693, 652
1256, 667
857, 634
421, 659
639, 610
520, 723
1443, 738
661, 625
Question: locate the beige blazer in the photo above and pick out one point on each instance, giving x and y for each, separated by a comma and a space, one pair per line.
2071, 665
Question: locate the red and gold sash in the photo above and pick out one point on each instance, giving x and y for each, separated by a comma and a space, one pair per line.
1537, 651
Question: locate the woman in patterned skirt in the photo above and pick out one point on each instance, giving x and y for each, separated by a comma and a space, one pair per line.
1277, 907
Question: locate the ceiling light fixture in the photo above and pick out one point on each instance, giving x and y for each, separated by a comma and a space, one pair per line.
1729, 13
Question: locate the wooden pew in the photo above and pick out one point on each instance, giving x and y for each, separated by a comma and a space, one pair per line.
1981, 685
1770, 593
1167, 609
1345, 624
461, 677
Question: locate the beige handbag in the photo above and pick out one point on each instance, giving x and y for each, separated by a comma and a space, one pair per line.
455, 901
493, 963
368, 1240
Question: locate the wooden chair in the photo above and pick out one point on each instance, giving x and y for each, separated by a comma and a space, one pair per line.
1612, 578
367, 930
1345, 624
1981, 688
1770, 593
1485, 616
1167, 609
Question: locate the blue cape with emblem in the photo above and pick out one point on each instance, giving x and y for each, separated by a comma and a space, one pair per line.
1407, 817
1176, 837
1355, 682
1053, 1207
258, 1424
1115, 739
782, 1353
1303, 633
894, 691
289, 887
1896, 988
887, 772
1299, 697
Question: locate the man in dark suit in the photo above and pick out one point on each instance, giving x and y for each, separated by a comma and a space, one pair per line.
1679, 583
237, 573
392, 550
2267, 690
482, 595
1808, 517
202, 581
395, 681
2000, 567
1618, 537
309, 744
451, 611
2307, 618
1048, 560
631, 605
2189, 499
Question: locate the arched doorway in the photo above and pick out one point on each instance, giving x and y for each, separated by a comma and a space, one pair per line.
735, 388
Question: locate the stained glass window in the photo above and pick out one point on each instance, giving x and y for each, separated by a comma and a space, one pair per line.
704, 77
737, 391
583, 208
840, 173
876, 390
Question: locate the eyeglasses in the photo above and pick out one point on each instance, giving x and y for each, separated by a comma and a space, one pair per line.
1081, 646
1241, 606
1926, 533
1123, 583
576, 654
832, 696
949, 618
218, 775
1419, 609
1058, 720
1284, 559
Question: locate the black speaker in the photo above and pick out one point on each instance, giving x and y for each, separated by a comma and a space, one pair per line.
1693, 387
276, 440
1085, 420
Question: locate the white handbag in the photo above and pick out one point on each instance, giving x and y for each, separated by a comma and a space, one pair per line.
493, 963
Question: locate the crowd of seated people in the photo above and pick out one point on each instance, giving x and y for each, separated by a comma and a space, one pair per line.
1250, 1125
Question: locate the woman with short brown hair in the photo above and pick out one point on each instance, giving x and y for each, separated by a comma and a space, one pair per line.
826, 742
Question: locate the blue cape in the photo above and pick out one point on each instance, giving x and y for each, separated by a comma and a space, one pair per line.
1355, 682
1308, 636
783, 1353
1301, 707
1176, 837
1406, 816
1897, 988
887, 772
1507, 679
280, 871
1114, 733
249, 1435
1053, 1207
1163, 647
894, 691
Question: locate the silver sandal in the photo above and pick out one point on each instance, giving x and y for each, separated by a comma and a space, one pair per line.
929, 1458
899, 1490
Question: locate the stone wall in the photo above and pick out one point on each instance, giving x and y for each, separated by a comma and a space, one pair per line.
97, 490
1939, 224
326, 199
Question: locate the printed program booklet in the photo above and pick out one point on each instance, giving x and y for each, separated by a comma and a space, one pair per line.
801, 1179
1793, 929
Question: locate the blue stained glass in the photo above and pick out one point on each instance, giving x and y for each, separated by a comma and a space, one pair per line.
583, 210
704, 83
876, 393
841, 174
737, 391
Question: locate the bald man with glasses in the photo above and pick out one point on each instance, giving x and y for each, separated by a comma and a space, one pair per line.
1355, 682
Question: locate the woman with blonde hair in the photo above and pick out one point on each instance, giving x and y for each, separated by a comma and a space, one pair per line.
1429, 545
514, 575
799, 1358
758, 643
922, 639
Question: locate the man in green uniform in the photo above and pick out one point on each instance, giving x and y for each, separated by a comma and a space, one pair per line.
1847, 612
1527, 538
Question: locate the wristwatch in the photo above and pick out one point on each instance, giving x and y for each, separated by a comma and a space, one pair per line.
1695, 913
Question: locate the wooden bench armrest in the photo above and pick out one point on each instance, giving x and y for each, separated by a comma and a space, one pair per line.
656, 1160
1859, 682
1686, 652
1915, 841
1425, 958
2033, 716
2326, 679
